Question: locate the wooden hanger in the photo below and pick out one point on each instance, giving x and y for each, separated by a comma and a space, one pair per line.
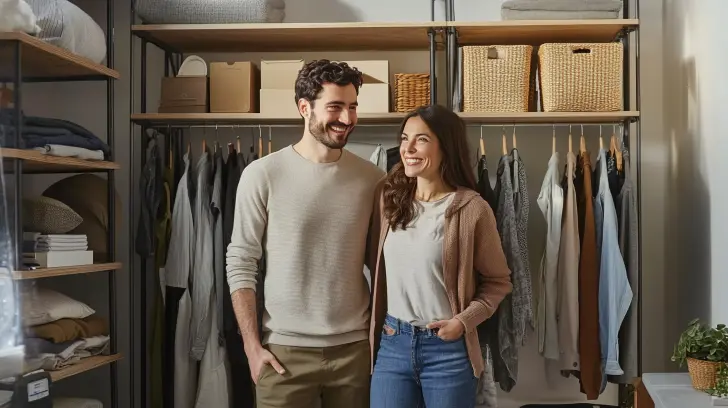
189, 148
619, 156
601, 140
505, 142
270, 141
515, 145
238, 141
260, 141
482, 143
582, 141
570, 141
553, 139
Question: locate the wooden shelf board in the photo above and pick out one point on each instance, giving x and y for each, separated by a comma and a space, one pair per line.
536, 32
37, 162
43, 61
86, 364
65, 270
161, 119
260, 37
548, 117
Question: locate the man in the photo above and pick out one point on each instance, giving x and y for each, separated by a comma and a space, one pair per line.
307, 208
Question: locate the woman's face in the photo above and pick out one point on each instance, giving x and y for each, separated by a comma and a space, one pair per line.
420, 150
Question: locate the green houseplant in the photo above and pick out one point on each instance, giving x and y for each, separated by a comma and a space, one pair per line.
705, 349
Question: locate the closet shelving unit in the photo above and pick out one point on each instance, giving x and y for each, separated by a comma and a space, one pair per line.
26, 59
177, 40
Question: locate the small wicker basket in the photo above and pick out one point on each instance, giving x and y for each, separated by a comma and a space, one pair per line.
411, 91
702, 373
497, 78
581, 77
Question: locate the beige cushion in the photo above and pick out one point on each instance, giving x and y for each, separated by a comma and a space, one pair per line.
48, 216
43, 305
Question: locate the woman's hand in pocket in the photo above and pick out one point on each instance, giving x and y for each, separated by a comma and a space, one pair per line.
448, 330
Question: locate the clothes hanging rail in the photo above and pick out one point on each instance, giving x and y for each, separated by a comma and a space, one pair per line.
279, 126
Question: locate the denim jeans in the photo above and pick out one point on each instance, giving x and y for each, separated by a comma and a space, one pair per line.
415, 369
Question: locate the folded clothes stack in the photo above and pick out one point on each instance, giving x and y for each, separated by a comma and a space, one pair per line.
56, 137
560, 9
55, 250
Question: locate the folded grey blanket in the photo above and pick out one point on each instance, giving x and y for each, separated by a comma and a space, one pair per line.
560, 9
210, 11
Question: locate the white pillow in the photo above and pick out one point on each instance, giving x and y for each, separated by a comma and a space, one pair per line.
42, 305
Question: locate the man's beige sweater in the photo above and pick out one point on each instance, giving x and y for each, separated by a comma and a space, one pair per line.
311, 221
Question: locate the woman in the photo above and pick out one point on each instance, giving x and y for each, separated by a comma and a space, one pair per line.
438, 269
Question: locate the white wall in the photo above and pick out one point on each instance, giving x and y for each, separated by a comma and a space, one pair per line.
696, 97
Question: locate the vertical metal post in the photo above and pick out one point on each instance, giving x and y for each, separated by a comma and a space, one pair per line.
143, 264
111, 202
18, 163
637, 149
433, 68
130, 203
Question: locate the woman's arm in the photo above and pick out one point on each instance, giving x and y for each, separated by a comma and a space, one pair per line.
494, 280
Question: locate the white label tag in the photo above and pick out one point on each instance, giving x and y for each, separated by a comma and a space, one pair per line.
38, 389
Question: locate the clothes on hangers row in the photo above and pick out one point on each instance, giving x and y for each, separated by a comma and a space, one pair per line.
197, 353
588, 269
506, 331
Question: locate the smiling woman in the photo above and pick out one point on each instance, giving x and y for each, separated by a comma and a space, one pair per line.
444, 266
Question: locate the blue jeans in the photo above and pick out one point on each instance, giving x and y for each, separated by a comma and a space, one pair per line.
415, 369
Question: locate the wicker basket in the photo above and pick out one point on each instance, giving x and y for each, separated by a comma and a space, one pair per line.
702, 373
497, 78
411, 91
581, 77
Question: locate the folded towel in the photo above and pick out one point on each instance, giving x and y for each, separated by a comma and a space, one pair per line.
39, 131
563, 5
71, 151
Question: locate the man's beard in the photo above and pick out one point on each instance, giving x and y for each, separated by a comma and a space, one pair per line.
319, 130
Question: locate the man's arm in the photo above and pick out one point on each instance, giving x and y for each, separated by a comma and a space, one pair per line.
243, 256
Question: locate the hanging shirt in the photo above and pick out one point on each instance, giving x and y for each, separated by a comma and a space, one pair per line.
615, 295
523, 307
203, 268
150, 187
484, 187
628, 244
501, 329
589, 349
177, 271
379, 158
568, 271
216, 206
550, 202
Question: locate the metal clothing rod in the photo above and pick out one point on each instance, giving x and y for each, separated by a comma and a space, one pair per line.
254, 126
510, 125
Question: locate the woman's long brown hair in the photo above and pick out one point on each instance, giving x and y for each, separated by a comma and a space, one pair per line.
451, 132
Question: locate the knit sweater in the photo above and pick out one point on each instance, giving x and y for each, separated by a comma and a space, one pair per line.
310, 220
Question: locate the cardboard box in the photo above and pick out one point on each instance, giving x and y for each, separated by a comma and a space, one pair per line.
233, 87
279, 74
373, 98
184, 95
279, 103
375, 93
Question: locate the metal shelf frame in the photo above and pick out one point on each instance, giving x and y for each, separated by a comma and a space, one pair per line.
18, 81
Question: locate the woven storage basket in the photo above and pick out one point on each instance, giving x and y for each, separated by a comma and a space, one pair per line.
411, 91
497, 78
702, 373
581, 77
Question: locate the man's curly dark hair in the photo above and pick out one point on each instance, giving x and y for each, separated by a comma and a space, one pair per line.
314, 74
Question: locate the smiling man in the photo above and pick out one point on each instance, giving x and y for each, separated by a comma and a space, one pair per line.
306, 210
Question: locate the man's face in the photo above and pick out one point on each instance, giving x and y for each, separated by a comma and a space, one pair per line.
331, 117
